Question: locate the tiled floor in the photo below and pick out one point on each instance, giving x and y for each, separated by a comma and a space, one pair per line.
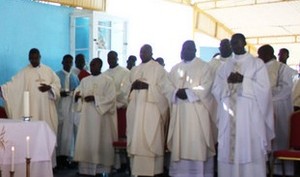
73, 173
66, 173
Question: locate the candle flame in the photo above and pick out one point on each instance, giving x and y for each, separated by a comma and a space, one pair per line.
13, 148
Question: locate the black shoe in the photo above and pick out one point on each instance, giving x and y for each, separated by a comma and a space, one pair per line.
73, 165
79, 174
62, 162
55, 170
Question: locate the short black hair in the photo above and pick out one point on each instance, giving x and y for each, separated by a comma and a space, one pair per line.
132, 57
98, 60
67, 56
239, 36
34, 51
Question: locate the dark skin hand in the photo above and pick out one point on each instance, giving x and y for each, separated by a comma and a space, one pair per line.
44, 87
89, 98
235, 78
77, 96
181, 94
139, 85
64, 94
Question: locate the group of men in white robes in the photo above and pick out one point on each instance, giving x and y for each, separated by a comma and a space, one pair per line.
281, 80
244, 114
101, 163
230, 101
98, 102
95, 98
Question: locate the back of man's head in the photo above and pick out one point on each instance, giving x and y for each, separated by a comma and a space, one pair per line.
266, 53
112, 54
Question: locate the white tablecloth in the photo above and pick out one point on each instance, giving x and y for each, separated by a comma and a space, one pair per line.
42, 144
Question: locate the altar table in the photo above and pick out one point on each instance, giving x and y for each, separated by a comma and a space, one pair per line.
41, 146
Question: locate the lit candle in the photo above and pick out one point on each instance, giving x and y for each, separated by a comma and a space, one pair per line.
27, 147
12, 158
26, 104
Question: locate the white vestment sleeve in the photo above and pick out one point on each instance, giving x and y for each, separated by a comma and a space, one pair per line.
77, 106
106, 103
192, 97
296, 94
55, 87
122, 95
174, 97
284, 85
220, 87
11, 94
260, 88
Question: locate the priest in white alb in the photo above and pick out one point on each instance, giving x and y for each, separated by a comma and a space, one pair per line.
43, 86
146, 115
66, 117
120, 76
96, 99
245, 118
190, 137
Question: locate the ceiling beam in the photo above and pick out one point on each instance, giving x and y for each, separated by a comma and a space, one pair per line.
204, 23
280, 39
207, 24
187, 2
218, 4
98, 5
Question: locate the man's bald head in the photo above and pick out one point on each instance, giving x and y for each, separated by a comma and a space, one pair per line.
188, 51
225, 48
146, 53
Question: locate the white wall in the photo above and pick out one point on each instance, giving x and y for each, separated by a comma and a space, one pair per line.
162, 24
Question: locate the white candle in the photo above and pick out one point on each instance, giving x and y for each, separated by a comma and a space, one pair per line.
27, 147
12, 158
26, 104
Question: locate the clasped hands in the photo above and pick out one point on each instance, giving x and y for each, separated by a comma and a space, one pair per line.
64, 93
235, 78
44, 87
89, 98
139, 85
181, 94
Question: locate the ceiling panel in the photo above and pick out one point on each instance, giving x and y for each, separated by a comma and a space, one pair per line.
275, 22
261, 19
